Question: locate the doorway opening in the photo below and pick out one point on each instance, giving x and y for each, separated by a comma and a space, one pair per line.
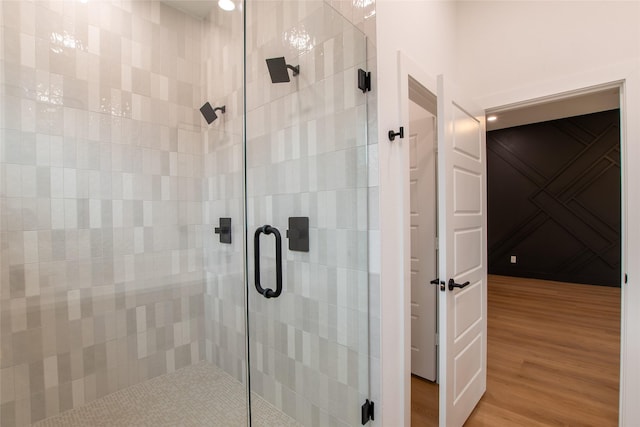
424, 394
424, 253
460, 279
555, 221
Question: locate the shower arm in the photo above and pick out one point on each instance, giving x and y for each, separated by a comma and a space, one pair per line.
296, 69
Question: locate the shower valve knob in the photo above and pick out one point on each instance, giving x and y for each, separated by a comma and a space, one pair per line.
298, 233
224, 230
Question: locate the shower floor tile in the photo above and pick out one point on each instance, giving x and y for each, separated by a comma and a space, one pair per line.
198, 395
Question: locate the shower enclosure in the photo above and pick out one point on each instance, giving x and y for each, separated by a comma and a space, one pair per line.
159, 265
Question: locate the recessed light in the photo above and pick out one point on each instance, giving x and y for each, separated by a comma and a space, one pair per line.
492, 118
227, 5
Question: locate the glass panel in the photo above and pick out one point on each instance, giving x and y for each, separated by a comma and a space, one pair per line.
306, 157
112, 280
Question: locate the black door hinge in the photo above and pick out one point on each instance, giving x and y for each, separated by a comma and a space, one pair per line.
364, 80
626, 278
367, 411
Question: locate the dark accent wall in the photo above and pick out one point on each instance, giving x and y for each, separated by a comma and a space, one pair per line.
554, 199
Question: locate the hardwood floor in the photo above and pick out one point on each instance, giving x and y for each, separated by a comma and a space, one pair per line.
553, 357
424, 402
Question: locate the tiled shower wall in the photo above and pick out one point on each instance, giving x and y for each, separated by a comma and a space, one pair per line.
362, 13
222, 74
101, 201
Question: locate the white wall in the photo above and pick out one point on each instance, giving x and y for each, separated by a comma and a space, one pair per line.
508, 52
424, 31
503, 46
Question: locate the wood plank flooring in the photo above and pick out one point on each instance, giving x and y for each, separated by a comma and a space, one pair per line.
424, 403
553, 357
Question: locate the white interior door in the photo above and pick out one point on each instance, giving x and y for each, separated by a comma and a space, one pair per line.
462, 233
422, 187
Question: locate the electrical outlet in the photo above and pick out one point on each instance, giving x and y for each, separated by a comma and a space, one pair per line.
513, 259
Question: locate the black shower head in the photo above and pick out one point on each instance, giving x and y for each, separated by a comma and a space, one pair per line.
278, 70
209, 112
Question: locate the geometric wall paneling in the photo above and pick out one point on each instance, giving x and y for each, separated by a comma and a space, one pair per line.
554, 199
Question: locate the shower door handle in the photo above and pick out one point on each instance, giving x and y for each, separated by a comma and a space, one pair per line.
267, 229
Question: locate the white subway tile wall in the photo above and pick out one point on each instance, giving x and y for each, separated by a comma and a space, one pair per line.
224, 300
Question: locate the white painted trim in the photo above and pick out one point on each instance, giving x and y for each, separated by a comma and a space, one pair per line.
624, 329
407, 67
392, 290
555, 97
395, 249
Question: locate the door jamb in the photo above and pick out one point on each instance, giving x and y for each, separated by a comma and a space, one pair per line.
407, 67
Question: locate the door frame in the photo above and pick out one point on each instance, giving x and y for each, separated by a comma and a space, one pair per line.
407, 67
627, 73
627, 78
423, 204
621, 85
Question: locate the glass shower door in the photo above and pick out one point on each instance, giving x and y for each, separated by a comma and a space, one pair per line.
306, 215
119, 305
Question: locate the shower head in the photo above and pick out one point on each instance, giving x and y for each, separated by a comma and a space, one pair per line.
209, 113
278, 70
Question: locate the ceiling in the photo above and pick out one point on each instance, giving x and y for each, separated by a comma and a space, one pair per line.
602, 100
